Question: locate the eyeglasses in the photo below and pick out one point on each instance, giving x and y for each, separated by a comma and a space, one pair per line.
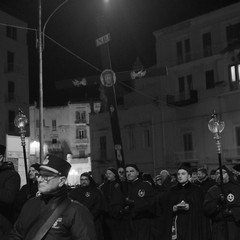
46, 178
83, 179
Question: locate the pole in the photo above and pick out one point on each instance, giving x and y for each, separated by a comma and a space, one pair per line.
24, 156
40, 50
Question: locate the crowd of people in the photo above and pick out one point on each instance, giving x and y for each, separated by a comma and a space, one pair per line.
128, 205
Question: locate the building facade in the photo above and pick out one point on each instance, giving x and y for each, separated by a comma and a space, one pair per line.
165, 120
14, 90
66, 133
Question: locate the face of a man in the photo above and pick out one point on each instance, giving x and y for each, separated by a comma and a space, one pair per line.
49, 183
131, 173
32, 173
200, 175
182, 176
84, 181
110, 175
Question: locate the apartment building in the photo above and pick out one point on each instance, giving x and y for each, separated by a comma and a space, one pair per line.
165, 120
66, 133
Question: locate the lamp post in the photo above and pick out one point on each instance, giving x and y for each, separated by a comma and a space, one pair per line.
41, 32
20, 122
216, 127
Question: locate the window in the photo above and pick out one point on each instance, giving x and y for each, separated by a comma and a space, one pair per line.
54, 141
186, 56
234, 72
233, 33
11, 32
11, 90
147, 136
187, 50
54, 125
81, 133
179, 52
131, 137
11, 116
80, 117
187, 141
103, 147
188, 145
210, 83
181, 84
207, 44
10, 61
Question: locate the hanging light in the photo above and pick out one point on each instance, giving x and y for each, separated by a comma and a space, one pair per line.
215, 125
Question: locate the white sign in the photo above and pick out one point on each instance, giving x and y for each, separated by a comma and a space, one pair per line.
102, 40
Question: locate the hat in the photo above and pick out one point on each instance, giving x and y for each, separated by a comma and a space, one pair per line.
186, 166
36, 166
133, 166
56, 165
114, 171
2, 150
164, 171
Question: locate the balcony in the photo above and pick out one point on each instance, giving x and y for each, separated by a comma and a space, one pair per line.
183, 99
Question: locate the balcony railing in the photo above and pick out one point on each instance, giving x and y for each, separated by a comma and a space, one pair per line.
183, 99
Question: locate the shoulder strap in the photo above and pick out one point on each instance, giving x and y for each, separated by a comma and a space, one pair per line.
50, 221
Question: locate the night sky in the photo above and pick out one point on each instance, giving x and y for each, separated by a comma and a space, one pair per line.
130, 23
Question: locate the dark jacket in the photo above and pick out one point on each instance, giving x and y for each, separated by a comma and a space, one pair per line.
225, 215
9, 187
189, 223
75, 222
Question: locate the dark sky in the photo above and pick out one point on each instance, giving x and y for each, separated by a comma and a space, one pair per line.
130, 23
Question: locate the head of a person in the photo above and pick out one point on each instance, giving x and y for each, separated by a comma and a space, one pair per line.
69, 157
158, 180
111, 174
2, 153
202, 173
132, 172
121, 172
86, 180
164, 175
225, 174
33, 171
53, 174
184, 174
213, 174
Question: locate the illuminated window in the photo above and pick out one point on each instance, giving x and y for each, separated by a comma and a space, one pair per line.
234, 73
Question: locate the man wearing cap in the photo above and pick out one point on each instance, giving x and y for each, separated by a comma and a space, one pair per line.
9, 187
222, 205
182, 211
140, 202
52, 215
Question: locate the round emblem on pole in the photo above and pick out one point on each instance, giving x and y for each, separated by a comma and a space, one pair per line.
108, 78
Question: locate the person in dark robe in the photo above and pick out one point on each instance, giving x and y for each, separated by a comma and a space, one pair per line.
182, 209
222, 205
92, 197
140, 203
29, 190
112, 190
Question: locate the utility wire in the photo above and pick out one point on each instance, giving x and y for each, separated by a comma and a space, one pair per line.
20, 27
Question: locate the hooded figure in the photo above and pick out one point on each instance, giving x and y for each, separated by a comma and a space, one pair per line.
221, 204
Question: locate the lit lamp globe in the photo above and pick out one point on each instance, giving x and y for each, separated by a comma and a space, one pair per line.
215, 126
20, 121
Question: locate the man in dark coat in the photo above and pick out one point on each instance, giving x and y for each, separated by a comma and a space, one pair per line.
222, 205
28, 191
112, 190
74, 221
182, 209
9, 187
141, 200
92, 197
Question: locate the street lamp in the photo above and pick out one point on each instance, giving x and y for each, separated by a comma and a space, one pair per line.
20, 122
41, 32
216, 127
